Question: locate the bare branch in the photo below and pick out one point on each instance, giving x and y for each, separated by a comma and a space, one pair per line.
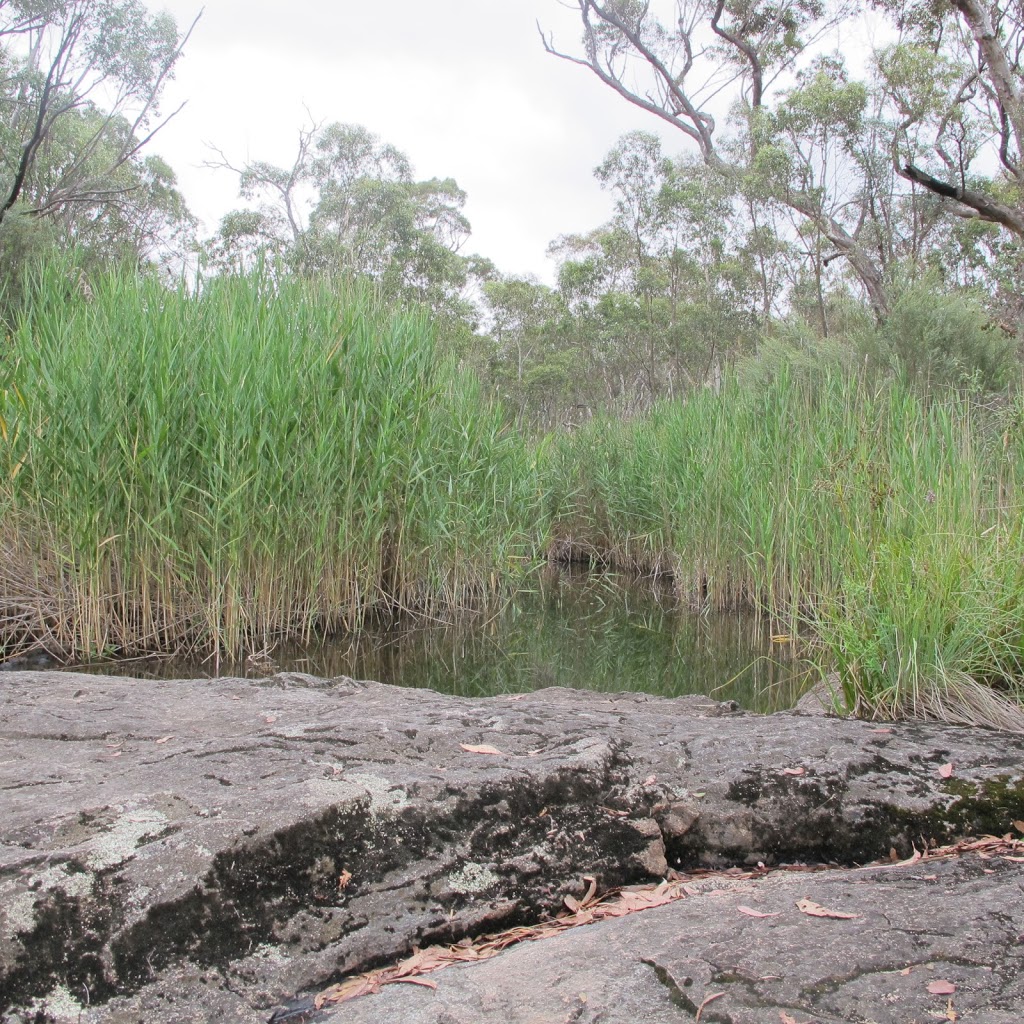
977, 203
746, 49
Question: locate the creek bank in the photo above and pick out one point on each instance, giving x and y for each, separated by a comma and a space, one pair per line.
203, 850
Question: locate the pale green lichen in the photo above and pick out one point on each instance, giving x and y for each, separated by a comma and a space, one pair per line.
119, 842
472, 878
19, 906
58, 1006
385, 797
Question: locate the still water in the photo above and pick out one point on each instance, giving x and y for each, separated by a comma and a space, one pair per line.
594, 631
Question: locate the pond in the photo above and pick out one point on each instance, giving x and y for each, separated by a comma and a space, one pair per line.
597, 631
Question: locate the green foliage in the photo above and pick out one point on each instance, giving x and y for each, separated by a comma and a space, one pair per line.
24, 239
885, 525
350, 206
934, 339
256, 459
824, 101
75, 166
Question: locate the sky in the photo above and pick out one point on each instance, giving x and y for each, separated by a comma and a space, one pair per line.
463, 87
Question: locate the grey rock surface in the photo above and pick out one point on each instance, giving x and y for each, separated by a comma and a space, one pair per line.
203, 850
914, 926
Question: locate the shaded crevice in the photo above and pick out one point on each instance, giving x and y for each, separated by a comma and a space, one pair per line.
680, 997
253, 895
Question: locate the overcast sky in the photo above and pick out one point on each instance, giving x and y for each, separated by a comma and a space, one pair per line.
463, 87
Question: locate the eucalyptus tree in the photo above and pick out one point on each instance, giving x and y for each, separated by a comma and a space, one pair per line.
865, 166
80, 88
745, 61
669, 287
350, 204
955, 77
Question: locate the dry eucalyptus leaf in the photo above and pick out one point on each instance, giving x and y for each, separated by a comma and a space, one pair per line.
792, 771
751, 912
164, 739
941, 987
946, 770
813, 909
480, 748
700, 1009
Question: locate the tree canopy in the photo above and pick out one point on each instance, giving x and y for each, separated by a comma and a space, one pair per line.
350, 204
80, 89
866, 161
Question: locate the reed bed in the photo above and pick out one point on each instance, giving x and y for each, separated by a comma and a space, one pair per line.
211, 469
214, 469
884, 529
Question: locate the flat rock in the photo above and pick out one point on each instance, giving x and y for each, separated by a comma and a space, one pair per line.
205, 850
914, 926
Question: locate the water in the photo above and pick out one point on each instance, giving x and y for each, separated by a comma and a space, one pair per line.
595, 631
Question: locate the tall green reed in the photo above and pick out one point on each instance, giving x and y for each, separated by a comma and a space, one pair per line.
213, 468
883, 527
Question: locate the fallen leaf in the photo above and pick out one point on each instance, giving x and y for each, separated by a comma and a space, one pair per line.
344, 878
270, 718
164, 739
751, 912
700, 1009
785, 1018
425, 982
813, 909
1019, 826
650, 780
945, 770
630, 902
881, 732
792, 771
480, 748
941, 987
906, 971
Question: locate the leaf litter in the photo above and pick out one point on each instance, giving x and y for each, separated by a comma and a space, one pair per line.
619, 902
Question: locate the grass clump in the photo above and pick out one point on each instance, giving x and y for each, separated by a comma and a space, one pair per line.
212, 469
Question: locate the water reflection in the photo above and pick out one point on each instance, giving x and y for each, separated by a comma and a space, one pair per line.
594, 631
